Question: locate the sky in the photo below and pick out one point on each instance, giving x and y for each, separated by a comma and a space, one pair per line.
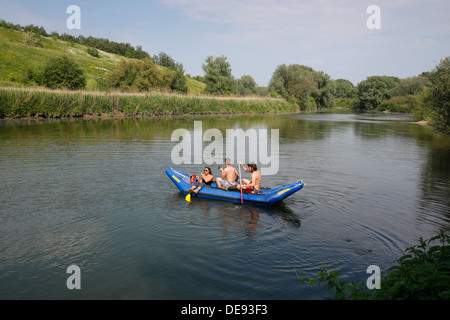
256, 36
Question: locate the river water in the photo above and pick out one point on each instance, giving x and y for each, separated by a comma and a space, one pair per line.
94, 193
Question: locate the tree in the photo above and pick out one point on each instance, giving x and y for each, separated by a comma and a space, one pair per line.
326, 90
439, 96
374, 90
294, 82
164, 60
218, 77
345, 89
63, 72
411, 86
179, 82
246, 86
139, 75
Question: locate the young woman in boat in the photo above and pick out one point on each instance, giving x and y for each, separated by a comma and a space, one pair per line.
205, 180
253, 186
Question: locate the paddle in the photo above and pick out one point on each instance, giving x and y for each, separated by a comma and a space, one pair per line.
240, 178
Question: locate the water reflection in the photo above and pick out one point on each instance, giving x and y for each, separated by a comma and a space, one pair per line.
244, 218
434, 200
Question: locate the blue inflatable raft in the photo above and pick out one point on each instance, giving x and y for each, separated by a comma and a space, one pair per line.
266, 197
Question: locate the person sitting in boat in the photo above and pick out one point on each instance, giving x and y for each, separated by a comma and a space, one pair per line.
253, 186
228, 177
205, 180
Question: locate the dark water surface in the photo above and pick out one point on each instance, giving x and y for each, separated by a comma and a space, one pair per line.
94, 193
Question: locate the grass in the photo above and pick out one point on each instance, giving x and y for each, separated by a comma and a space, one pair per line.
17, 58
46, 103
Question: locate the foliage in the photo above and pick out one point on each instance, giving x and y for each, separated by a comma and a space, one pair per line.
345, 89
63, 72
294, 83
31, 39
218, 77
374, 90
346, 103
406, 104
246, 86
122, 49
164, 60
262, 91
179, 81
139, 75
423, 273
310, 89
410, 86
17, 103
325, 94
93, 52
439, 96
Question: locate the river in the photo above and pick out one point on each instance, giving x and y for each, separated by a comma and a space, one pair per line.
94, 193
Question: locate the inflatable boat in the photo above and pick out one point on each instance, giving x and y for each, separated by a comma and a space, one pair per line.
266, 197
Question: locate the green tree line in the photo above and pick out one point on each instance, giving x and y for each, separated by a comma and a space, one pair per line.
426, 96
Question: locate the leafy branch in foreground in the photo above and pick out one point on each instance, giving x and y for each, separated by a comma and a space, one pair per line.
423, 273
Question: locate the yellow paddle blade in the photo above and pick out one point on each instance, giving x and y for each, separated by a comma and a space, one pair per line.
188, 197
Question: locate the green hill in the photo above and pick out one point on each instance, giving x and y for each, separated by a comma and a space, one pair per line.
22, 54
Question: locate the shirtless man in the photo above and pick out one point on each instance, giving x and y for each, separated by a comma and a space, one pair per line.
228, 177
255, 184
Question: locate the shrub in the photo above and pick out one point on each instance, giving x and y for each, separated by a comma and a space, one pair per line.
401, 104
138, 75
346, 103
93, 52
63, 73
31, 39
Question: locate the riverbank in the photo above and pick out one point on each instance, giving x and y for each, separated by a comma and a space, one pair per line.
45, 103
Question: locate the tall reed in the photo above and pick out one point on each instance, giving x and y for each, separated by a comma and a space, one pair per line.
22, 102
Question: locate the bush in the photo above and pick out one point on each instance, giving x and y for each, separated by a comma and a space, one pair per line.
179, 81
31, 39
346, 103
405, 104
439, 96
139, 75
423, 273
63, 73
93, 52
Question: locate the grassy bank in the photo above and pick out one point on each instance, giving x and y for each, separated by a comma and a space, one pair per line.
20, 61
25, 102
